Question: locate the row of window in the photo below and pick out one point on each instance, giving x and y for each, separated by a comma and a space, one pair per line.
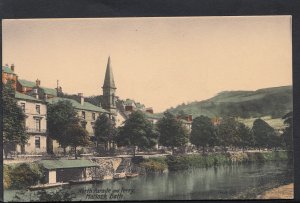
93, 115
37, 108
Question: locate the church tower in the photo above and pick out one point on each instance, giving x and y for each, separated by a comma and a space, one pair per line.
109, 88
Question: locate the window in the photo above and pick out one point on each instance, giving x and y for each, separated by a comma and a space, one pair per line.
23, 107
83, 114
37, 142
94, 116
38, 125
83, 124
38, 109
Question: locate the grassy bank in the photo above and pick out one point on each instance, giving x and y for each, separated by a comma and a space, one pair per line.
182, 162
154, 164
20, 176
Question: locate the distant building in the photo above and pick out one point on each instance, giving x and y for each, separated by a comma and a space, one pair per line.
35, 122
187, 121
8, 73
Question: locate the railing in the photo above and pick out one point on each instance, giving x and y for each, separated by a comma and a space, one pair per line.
34, 130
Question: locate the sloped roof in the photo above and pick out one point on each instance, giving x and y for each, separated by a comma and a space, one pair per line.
31, 84
21, 96
6, 69
86, 106
26, 83
129, 102
152, 116
49, 91
58, 164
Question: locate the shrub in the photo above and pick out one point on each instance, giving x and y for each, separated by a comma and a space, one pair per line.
6, 176
25, 175
154, 164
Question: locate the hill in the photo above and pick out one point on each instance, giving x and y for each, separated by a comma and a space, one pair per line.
274, 102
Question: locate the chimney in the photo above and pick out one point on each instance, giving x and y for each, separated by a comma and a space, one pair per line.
12, 67
37, 82
81, 98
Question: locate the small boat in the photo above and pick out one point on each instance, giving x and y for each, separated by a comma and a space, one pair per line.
47, 185
131, 175
118, 176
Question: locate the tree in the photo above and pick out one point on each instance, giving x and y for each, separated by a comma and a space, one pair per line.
172, 132
263, 133
105, 130
227, 133
77, 136
203, 133
288, 131
60, 116
14, 130
137, 131
245, 136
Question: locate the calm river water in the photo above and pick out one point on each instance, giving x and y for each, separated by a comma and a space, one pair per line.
222, 182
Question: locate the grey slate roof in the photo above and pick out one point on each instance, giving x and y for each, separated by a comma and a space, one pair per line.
86, 105
58, 164
21, 96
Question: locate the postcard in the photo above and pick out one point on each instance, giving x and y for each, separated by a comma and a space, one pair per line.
147, 108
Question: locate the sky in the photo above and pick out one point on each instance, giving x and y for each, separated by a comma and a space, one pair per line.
158, 61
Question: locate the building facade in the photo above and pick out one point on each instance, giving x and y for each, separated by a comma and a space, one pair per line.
86, 112
36, 124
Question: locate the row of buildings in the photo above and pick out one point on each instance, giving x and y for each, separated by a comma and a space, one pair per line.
32, 97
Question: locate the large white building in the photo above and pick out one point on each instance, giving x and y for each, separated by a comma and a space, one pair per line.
36, 124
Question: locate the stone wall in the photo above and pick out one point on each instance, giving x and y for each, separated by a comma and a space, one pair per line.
107, 167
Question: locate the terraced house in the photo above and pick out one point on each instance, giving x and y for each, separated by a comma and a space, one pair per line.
35, 122
87, 112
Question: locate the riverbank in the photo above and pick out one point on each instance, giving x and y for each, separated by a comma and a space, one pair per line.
282, 192
183, 162
27, 174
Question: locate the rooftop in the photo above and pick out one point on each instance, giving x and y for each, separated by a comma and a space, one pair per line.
31, 84
86, 105
7, 69
57, 164
21, 96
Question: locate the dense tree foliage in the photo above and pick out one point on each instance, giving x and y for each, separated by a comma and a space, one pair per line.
203, 132
137, 131
246, 138
60, 116
105, 130
264, 134
172, 131
227, 133
77, 136
14, 129
288, 131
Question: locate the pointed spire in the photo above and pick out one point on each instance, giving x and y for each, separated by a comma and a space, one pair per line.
109, 77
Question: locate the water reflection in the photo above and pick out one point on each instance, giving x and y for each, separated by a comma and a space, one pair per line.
222, 182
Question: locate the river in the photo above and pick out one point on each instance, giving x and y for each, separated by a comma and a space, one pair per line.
222, 182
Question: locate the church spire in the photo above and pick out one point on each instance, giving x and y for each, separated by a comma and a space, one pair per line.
109, 77
109, 89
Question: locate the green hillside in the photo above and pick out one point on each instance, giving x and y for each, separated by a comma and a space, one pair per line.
274, 102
